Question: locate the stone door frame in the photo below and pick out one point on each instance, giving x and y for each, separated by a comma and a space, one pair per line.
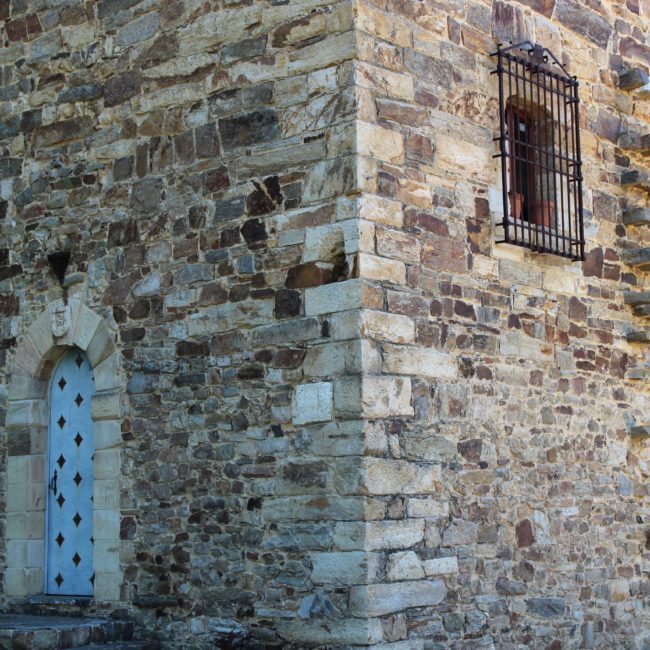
27, 438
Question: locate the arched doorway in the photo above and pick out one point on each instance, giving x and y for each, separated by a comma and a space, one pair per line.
71, 450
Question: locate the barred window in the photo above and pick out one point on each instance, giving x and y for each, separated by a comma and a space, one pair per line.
539, 147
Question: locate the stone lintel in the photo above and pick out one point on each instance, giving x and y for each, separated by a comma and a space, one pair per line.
636, 216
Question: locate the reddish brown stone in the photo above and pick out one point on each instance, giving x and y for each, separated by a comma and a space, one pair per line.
309, 274
524, 533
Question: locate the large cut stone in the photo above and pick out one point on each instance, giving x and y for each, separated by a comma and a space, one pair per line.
632, 78
636, 216
249, 128
639, 258
582, 20
381, 599
636, 297
546, 607
64, 131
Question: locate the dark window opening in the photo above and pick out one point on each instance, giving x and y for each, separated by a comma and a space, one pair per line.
539, 144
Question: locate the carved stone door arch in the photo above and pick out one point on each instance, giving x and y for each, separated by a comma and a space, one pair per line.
59, 328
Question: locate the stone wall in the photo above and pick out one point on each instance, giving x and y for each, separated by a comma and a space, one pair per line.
519, 497
195, 157
348, 417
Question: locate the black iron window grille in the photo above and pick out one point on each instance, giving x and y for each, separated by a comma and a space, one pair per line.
539, 147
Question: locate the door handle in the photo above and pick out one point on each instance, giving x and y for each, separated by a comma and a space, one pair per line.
53, 483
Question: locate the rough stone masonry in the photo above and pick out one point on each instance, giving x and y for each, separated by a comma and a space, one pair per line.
336, 413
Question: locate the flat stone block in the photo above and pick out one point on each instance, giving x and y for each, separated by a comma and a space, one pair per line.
632, 78
23, 385
642, 336
381, 535
391, 476
107, 464
636, 297
312, 403
107, 434
106, 406
106, 494
386, 396
26, 413
637, 178
106, 555
339, 568
382, 599
406, 360
85, 326
383, 326
334, 297
106, 524
637, 258
107, 586
323, 632
636, 216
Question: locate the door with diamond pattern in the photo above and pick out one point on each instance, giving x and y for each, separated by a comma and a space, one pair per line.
70, 540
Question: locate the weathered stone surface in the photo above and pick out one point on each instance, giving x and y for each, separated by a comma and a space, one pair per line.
121, 87
64, 131
584, 21
546, 607
382, 599
248, 128
137, 30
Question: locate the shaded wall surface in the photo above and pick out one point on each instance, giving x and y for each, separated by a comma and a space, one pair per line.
347, 417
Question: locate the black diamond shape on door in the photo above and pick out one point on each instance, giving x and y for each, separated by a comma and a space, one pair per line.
60, 500
77, 519
61, 421
78, 399
59, 539
79, 360
59, 579
92, 579
78, 439
77, 479
60, 461
76, 559
62, 383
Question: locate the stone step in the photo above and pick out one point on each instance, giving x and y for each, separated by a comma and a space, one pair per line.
634, 141
632, 79
26, 632
636, 217
639, 258
636, 178
642, 336
640, 431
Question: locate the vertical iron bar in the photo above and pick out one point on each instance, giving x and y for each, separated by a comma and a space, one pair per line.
536, 165
515, 112
525, 194
502, 146
581, 225
569, 157
547, 170
561, 164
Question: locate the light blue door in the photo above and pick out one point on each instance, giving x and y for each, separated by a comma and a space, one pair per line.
69, 542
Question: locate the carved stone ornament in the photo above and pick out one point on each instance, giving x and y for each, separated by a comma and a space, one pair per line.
60, 318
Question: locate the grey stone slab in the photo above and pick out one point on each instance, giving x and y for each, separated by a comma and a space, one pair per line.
640, 431
636, 216
642, 336
636, 297
638, 258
